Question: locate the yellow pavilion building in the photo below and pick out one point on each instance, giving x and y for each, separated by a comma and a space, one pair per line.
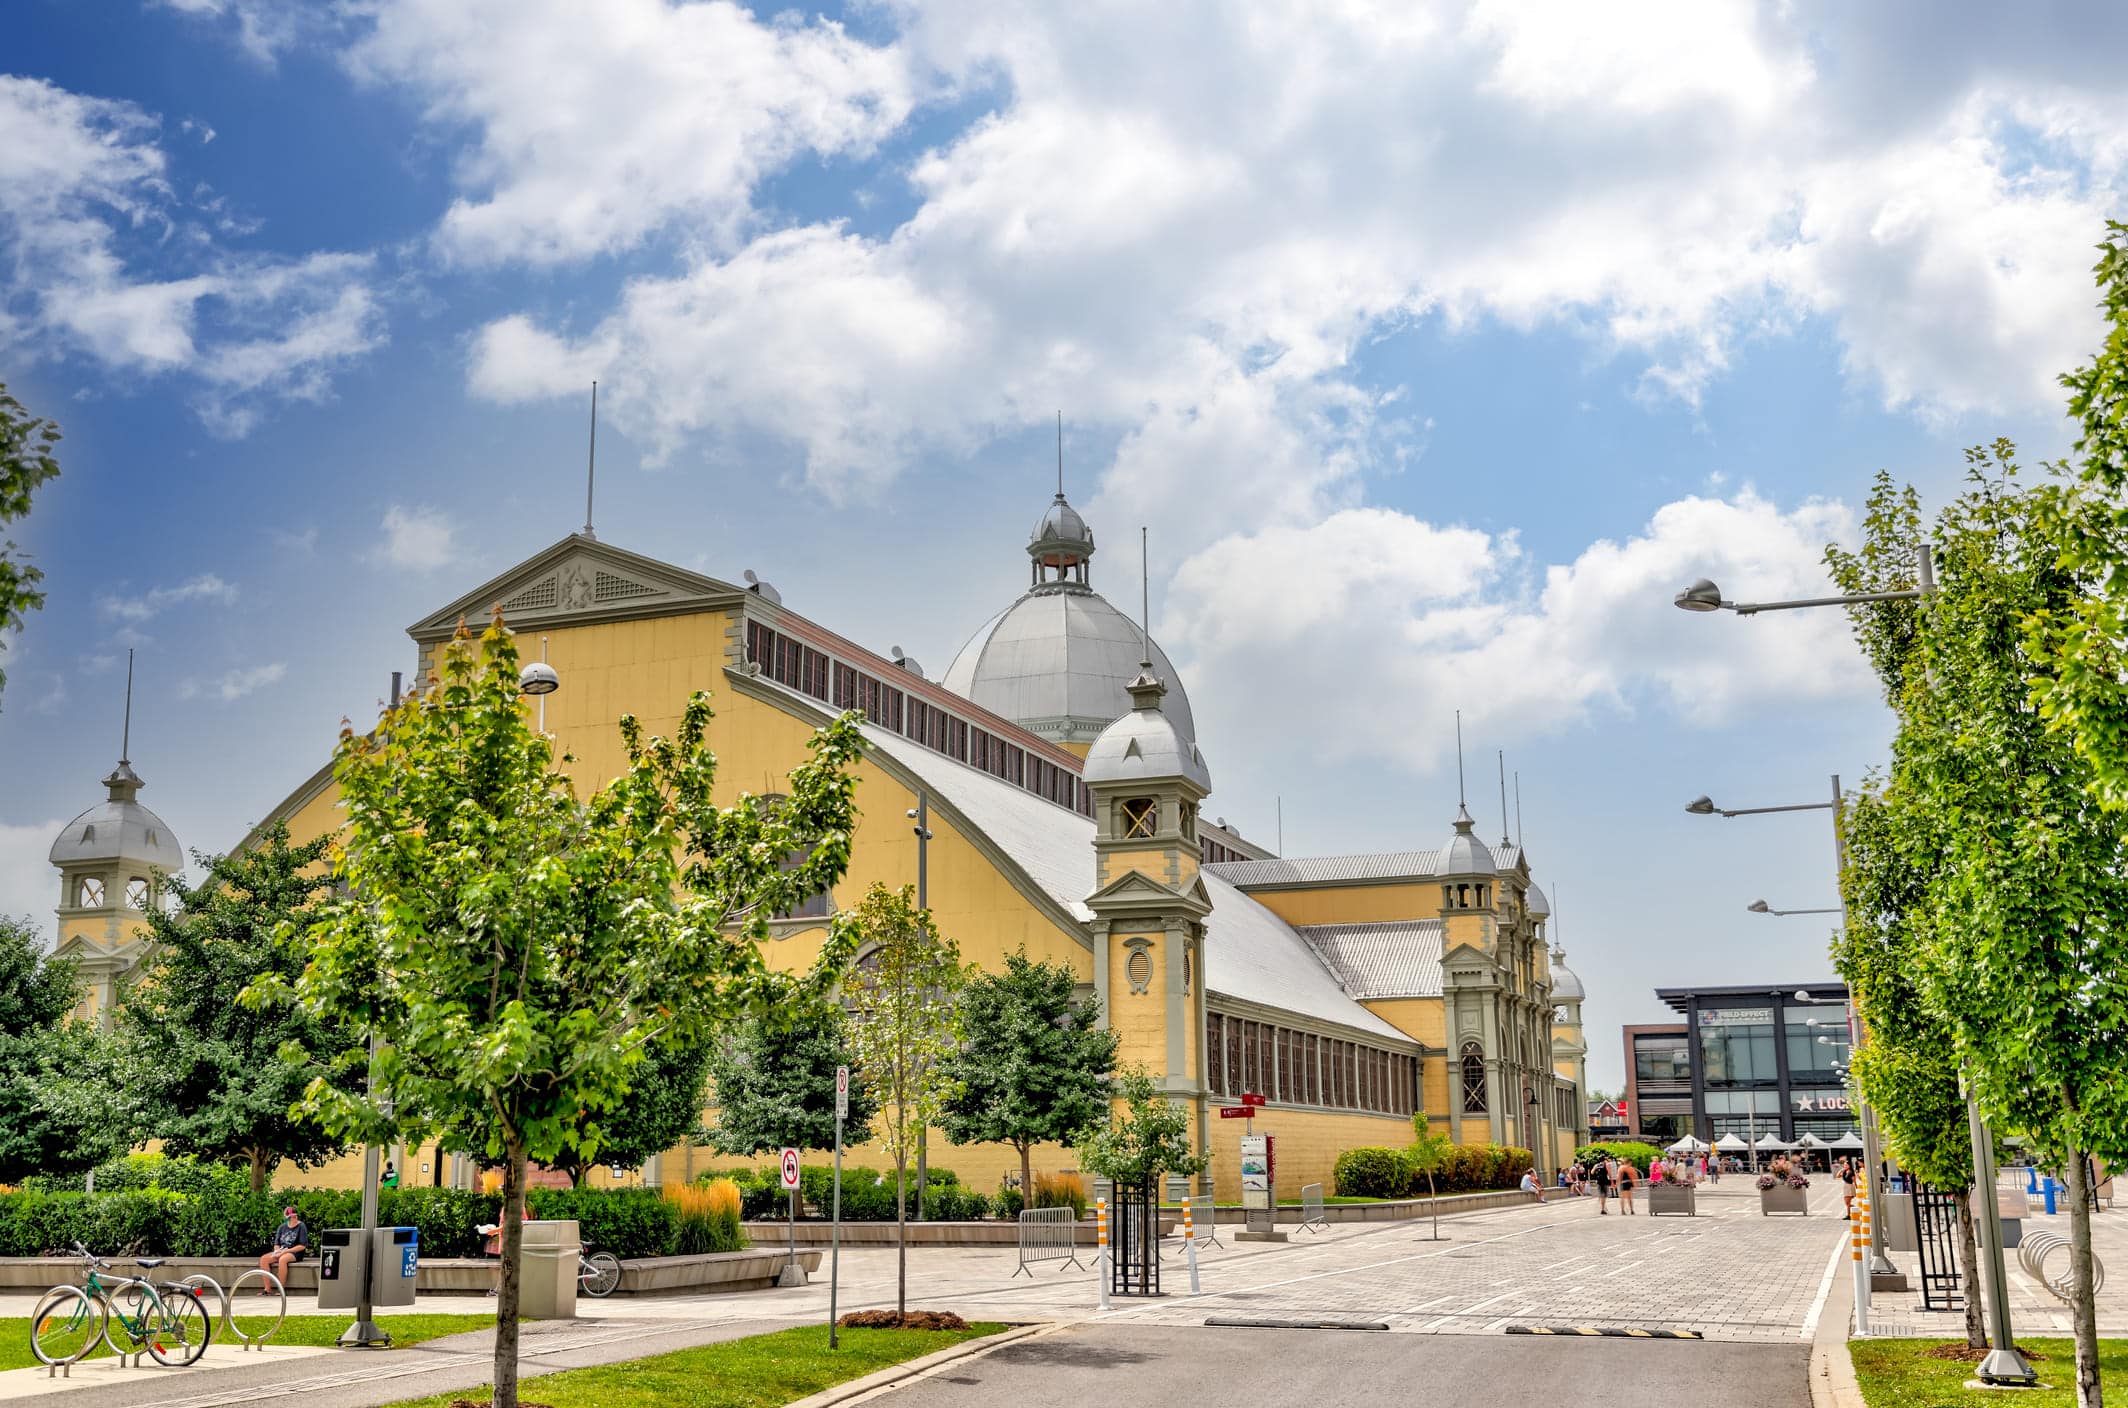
1058, 765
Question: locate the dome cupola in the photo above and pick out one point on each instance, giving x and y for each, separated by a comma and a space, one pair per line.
1566, 984
1145, 743
1060, 545
1465, 854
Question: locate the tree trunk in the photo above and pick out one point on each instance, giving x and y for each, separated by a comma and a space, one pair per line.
1026, 1176
901, 1239
506, 1300
1976, 1326
2083, 1307
259, 1169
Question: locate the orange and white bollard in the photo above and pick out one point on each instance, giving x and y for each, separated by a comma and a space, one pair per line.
1101, 1249
1858, 1240
1189, 1244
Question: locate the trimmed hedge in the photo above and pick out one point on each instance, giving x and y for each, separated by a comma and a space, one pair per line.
867, 1194
221, 1216
1631, 1150
1469, 1168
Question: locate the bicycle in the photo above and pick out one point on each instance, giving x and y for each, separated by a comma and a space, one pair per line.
597, 1273
68, 1321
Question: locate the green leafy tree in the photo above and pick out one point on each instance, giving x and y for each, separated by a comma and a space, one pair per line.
1906, 1068
55, 1074
904, 1022
1430, 1152
516, 948
774, 1083
211, 1077
1145, 1135
2018, 933
1032, 1067
661, 1107
26, 461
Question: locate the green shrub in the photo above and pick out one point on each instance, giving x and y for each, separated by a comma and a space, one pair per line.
1373, 1173
1008, 1202
950, 1202
1632, 1151
629, 1222
1061, 1190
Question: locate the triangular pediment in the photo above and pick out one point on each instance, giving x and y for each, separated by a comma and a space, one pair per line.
580, 581
1136, 889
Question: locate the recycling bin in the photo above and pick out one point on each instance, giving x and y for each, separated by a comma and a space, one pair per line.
395, 1263
343, 1262
547, 1288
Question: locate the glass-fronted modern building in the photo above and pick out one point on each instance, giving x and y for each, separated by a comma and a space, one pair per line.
1746, 1061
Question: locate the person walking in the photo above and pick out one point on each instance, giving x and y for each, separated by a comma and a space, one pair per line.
1847, 1191
1626, 1176
1600, 1175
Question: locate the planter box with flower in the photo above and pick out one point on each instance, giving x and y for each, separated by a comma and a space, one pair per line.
1673, 1196
1789, 1194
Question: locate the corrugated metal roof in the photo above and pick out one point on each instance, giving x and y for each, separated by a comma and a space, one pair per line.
1399, 959
1249, 952
1331, 870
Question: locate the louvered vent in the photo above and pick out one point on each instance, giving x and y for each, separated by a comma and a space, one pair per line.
537, 597
607, 587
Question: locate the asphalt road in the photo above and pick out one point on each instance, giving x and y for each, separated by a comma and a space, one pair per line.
1094, 1366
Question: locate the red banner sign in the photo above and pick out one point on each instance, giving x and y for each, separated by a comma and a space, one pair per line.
1236, 1112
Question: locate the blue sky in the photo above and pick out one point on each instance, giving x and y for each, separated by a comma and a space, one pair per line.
1437, 346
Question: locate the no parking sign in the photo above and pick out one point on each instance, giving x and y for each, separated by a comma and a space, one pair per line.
790, 1170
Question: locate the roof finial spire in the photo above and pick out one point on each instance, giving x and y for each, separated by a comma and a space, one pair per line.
1145, 599
1504, 838
1462, 802
1060, 454
125, 741
591, 470
1518, 807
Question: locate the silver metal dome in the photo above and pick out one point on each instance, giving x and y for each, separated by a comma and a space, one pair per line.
1465, 854
1058, 662
1145, 743
1062, 534
1539, 907
119, 828
1566, 984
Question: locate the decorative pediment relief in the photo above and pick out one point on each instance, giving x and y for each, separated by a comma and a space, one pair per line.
577, 581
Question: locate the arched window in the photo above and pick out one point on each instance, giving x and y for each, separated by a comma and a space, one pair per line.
137, 892
89, 893
1473, 1078
812, 906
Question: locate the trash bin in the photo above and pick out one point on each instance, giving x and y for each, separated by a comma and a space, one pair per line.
548, 1284
395, 1262
343, 1260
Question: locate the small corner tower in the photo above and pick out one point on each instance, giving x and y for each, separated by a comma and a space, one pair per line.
111, 860
1148, 781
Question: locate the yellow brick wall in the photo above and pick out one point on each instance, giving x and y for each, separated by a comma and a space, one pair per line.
1139, 1019
1306, 1149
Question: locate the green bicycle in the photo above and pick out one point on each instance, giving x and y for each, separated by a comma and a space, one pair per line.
128, 1313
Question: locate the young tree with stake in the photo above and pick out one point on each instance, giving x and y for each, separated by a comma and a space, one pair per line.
904, 1021
515, 948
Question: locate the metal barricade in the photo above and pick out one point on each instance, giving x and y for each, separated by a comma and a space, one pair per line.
1048, 1234
1312, 1216
2037, 1247
1199, 1222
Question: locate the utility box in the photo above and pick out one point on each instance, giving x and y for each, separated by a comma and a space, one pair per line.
547, 1289
395, 1263
343, 1262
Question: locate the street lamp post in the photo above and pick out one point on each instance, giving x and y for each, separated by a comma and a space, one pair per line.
2005, 1364
921, 815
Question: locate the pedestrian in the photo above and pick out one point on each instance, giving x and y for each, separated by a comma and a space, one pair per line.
1600, 1175
291, 1242
1655, 1172
1847, 1191
493, 1247
1626, 1175
391, 1175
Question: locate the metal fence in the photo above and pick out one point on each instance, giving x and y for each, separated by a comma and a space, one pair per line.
1312, 1216
1198, 1223
1048, 1234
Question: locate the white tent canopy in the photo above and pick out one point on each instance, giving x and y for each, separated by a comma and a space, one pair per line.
1687, 1145
1772, 1142
1849, 1140
1731, 1144
1810, 1141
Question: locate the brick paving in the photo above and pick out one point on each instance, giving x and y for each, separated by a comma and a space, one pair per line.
2034, 1310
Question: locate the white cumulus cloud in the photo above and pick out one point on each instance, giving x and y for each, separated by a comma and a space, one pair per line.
234, 684
148, 605
417, 536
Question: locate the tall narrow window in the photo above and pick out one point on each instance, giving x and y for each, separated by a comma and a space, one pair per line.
1473, 1078
137, 893
1215, 1062
89, 893
1141, 816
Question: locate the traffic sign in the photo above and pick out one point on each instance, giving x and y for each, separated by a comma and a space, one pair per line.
790, 1170
1236, 1112
842, 1092
1250, 1097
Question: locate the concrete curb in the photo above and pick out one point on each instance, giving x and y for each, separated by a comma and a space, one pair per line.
1832, 1368
896, 1373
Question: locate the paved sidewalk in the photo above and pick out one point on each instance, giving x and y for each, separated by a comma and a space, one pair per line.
2034, 1310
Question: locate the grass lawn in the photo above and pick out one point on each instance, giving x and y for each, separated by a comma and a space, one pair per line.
296, 1329
1898, 1374
760, 1371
